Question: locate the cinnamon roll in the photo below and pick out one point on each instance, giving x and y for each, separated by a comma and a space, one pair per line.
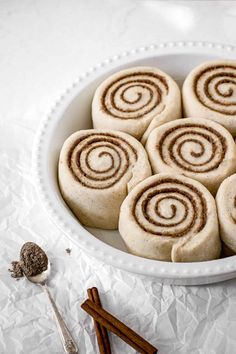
209, 91
197, 148
97, 168
135, 101
226, 206
170, 218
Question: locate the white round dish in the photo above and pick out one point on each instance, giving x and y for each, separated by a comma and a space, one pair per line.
72, 112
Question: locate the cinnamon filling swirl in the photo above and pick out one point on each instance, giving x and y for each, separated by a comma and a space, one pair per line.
99, 161
171, 208
134, 95
215, 88
192, 147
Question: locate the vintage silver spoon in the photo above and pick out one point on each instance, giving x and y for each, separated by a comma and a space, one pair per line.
66, 338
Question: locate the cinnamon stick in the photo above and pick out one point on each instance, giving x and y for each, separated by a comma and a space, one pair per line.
117, 327
101, 332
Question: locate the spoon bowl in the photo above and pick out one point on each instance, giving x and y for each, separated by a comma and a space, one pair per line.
42, 277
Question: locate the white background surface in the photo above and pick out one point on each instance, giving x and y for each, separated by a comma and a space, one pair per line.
44, 45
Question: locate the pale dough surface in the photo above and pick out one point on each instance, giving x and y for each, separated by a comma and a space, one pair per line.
209, 91
169, 209
135, 101
226, 206
105, 166
197, 148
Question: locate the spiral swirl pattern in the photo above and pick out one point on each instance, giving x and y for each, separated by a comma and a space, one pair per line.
194, 148
170, 207
134, 95
215, 88
100, 160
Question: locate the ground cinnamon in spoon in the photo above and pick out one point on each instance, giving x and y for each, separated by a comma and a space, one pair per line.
33, 261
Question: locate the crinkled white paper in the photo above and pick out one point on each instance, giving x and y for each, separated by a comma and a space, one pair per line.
44, 45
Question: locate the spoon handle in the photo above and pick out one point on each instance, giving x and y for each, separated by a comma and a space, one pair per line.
66, 338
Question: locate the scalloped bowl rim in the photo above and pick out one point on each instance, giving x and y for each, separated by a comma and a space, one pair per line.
177, 273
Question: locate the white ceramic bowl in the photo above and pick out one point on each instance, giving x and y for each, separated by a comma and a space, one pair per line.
72, 112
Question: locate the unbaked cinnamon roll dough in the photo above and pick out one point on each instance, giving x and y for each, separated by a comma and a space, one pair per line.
197, 148
135, 101
209, 91
170, 218
226, 205
97, 168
